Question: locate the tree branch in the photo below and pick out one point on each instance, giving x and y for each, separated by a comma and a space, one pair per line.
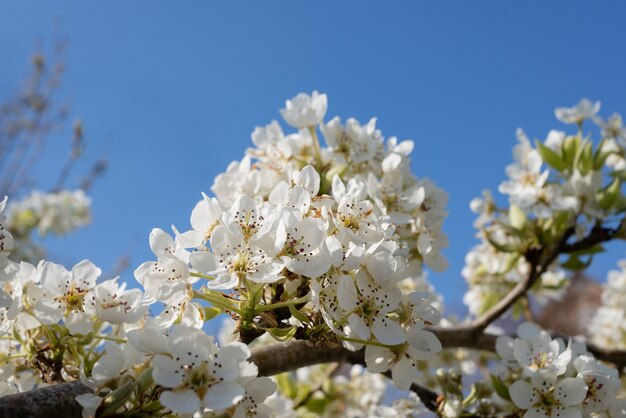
539, 261
55, 401
597, 235
58, 400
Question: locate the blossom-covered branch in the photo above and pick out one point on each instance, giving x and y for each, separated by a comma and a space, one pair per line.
322, 239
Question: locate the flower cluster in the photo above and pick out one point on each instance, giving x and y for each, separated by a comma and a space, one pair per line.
54, 213
555, 191
6, 238
50, 213
608, 326
545, 377
369, 168
330, 245
336, 249
325, 244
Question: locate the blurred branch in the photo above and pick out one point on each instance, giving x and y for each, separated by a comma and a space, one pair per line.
27, 121
75, 152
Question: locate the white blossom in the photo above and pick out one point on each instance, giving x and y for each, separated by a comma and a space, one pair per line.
303, 110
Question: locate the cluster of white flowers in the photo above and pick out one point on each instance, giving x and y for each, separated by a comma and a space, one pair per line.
345, 241
544, 377
357, 164
608, 326
194, 374
56, 213
552, 186
326, 244
348, 391
59, 320
490, 275
6, 238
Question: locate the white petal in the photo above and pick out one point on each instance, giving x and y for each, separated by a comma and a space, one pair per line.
78, 323
388, 331
504, 347
268, 272
182, 401
403, 374
223, 395
522, 394
536, 413
378, 359
260, 389
160, 240
424, 344
382, 266
54, 278
522, 352
358, 325
346, 293
164, 371
90, 404
229, 357
85, 274
278, 196
570, 391
205, 262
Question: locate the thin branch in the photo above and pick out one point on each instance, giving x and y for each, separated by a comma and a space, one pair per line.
538, 266
597, 235
539, 260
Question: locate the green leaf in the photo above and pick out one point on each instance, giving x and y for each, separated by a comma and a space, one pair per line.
575, 264
620, 205
584, 158
561, 220
607, 197
620, 174
286, 385
211, 312
587, 251
517, 217
117, 399
282, 334
317, 405
517, 310
145, 380
550, 157
501, 389
511, 262
505, 248
299, 315
570, 149
488, 302
600, 156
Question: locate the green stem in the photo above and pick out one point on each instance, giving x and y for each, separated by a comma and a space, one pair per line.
102, 337
359, 341
13, 356
316, 148
202, 276
263, 308
217, 301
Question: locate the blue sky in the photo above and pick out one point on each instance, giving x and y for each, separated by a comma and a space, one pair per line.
172, 90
